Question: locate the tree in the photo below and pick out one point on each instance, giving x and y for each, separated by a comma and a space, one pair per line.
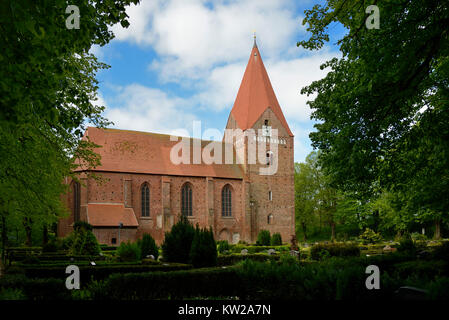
47, 95
203, 252
306, 190
382, 110
148, 247
178, 242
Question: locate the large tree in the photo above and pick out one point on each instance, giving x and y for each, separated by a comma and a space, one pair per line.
383, 109
48, 91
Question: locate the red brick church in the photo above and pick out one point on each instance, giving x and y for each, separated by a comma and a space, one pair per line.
145, 192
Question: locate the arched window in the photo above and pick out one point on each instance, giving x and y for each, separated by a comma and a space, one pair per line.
226, 201
76, 201
145, 198
186, 200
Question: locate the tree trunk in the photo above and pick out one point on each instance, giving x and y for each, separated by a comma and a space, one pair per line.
304, 230
44, 235
437, 235
4, 240
27, 225
332, 231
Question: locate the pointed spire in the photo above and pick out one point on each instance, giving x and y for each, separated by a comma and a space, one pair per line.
256, 95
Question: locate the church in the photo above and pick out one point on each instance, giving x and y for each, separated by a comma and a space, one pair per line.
142, 190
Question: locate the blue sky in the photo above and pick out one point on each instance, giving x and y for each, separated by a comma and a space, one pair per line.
183, 60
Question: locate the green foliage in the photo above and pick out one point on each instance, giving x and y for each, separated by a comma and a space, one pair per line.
263, 238
99, 271
441, 252
83, 241
418, 236
322, 251
369, 236
35, 289
47, 97
148, 247
407, 246
11, 294
276, 239
203, 252
382, 109
129, 251
205, 282
234, 258
177, 242
223, 246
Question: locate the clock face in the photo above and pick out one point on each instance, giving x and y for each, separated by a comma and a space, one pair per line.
266, 131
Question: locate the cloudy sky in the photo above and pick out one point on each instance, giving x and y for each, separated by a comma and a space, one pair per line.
183, 60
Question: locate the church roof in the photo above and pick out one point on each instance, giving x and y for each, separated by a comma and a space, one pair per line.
256, 95
149, 153
110, 215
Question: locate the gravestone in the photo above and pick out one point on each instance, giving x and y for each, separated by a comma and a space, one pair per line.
244, 252
271, 252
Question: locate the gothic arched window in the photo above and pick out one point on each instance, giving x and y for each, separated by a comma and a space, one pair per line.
186, 200
226, 201
145, 198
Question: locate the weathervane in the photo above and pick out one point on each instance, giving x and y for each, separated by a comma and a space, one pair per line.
255, 38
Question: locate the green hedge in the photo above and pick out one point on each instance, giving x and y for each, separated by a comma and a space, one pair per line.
321, 251
205, 282
36, 289
237, 248
230, 259
99, 272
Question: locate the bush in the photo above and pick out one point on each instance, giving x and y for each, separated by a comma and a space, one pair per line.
129, 251
222, 246
99, 272
35, 289
50, 246
407, 246
441, 252
418, 236
205, 282
231, 259
177, 243
263, 238
323, 251
369, 237
276, 239
11, 294
84, 241
203, 252
148, 247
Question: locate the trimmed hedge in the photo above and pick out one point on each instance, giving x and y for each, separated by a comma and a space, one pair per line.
231, 259
36, 289
99, 272
322, 251
205, 282
237, 248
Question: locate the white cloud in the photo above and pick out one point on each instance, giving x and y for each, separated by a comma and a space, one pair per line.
140, 108
191, 36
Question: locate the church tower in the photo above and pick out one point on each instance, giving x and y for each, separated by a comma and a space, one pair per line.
266, 152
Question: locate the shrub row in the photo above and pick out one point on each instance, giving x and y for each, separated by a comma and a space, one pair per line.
205, 282
230, 259
321, 251
237, 248
35, 289
98, 272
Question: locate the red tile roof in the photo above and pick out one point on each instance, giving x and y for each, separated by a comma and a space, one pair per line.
110, 215
256, 95
144, 152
